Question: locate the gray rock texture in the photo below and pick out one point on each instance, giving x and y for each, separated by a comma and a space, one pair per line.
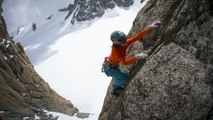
110, 4
83, 10
23, 92
176, 81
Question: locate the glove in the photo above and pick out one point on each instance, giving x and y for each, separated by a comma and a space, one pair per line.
141, 55
154, 24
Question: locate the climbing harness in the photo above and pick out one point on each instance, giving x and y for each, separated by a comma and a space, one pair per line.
106, 65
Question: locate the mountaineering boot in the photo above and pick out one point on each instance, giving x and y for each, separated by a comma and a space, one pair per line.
115, 93
116, 90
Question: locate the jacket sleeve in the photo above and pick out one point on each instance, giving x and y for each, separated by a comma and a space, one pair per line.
128, 61
138, 36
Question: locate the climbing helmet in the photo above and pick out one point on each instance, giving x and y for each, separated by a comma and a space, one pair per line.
118, 37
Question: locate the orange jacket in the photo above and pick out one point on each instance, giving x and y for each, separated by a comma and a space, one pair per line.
118, 53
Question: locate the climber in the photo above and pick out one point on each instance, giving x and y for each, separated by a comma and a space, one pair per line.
120, 43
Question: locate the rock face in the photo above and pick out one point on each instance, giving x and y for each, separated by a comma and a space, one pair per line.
83, 10
176, 81
23, 92
112, 3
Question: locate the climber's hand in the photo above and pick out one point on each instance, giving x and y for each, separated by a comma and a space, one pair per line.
154, 24
141, 55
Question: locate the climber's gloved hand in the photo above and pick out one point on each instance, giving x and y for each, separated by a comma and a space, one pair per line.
154, 24
141, 55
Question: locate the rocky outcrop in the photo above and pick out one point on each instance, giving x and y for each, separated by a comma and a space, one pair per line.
176, 81
83, 10
110, 4
23, 92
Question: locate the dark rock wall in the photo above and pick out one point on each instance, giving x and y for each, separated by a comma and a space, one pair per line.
3, 30
110, 4
176, 81
83, 10
23, 93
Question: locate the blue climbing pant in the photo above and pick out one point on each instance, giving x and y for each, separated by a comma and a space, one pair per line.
121, 78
